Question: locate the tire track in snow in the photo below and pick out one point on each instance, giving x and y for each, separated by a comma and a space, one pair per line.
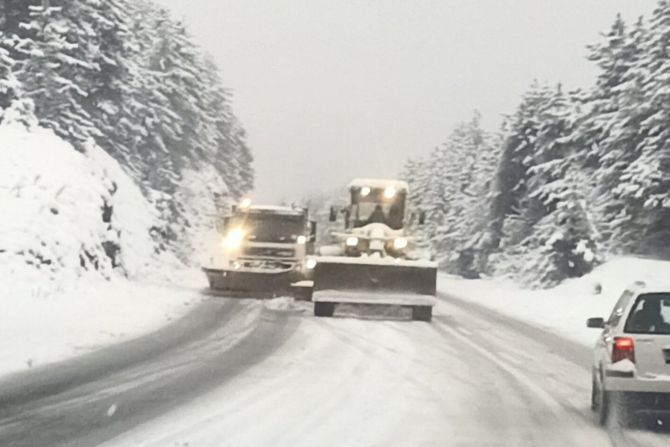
82, 415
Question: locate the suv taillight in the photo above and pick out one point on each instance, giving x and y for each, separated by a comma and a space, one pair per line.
624, 348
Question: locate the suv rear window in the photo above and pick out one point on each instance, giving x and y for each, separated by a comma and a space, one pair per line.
650, 315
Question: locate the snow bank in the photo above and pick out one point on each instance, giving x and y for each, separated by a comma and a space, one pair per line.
52, 326
565, 308
75, 238
285, 304
66, 213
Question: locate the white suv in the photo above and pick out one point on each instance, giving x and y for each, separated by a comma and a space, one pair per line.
631, 367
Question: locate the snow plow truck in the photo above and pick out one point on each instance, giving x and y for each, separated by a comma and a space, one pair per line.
376, 260
262, 251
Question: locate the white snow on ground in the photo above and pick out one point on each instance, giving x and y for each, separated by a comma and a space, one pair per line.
60, 292
563, 309
45, 327
284, 303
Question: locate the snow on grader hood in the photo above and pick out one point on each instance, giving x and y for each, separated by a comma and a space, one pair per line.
377, 260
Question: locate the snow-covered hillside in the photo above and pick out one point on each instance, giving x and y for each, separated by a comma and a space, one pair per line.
119, 147
563, 309
67, 213
76, 253
126, 75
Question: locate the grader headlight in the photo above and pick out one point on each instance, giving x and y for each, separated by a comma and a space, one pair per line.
310, 263
400, 243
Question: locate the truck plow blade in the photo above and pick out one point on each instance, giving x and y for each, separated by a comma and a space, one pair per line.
250, 283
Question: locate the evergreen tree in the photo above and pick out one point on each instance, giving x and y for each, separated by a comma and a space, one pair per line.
510, 189
643, 189
451, 186
124, 73
560, 229
610, 130
52, 70
9, 84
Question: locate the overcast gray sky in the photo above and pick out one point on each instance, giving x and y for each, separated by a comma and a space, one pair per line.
329, 90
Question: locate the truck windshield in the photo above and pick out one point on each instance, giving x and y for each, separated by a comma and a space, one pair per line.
270, 227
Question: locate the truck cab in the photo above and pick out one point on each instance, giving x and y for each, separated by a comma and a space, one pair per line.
261, 247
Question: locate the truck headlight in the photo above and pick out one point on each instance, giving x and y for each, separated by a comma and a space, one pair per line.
400, 243
245, 203
310, 264
302, 240
234, 238
352, 241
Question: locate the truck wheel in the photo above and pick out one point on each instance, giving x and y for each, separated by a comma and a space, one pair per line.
422, 313
324, 309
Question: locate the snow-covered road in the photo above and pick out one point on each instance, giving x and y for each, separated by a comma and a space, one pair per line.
285, 378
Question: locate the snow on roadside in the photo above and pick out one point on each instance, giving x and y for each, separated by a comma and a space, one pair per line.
66, 213
283, 303
565, 308
48, 327
74, 243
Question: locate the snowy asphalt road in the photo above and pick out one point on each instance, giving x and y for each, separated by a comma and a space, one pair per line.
261, 377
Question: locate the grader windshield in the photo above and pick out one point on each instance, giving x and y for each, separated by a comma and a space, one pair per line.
377, 204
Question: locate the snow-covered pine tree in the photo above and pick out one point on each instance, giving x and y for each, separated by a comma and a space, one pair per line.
561, 243
417, 173
229, 151
643, 191
467, 161
9, 84
126, 74
109, 43
451, 186
53, 70
510, 189
609, 128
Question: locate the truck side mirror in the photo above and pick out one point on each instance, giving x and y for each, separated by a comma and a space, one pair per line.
333, 214
312, 231
422, 217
